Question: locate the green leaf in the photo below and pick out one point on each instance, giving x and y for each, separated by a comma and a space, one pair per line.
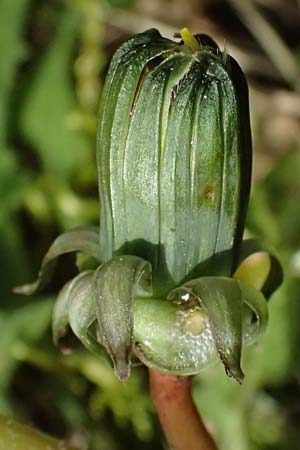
221, 299
115, 285
80, 239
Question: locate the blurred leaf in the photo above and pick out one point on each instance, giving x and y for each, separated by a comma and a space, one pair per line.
221, 402
25, 324
50, 199
16, 266
282, 188
50, 100
265, 409
260, 218
273, 361
274, 211
129, 403
13, 13
275, 214
12, 50
13, 182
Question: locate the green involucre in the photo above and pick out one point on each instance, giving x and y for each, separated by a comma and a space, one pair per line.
174, 158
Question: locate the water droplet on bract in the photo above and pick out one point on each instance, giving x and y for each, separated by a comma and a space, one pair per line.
185, 297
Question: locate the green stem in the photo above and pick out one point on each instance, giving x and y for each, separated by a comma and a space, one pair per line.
178, 414
14, 435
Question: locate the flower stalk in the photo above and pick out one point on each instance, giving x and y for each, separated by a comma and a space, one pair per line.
178, 414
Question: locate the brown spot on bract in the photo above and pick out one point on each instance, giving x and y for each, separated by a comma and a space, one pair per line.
209, 193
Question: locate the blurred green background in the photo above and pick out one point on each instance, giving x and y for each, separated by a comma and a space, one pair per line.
54, 55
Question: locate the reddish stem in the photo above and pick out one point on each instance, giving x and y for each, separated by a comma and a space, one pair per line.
177, 412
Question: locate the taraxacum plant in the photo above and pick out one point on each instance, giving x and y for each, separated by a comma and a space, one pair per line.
169, 286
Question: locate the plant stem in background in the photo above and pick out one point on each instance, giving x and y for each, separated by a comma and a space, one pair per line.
15, 436
177, 412
270, 40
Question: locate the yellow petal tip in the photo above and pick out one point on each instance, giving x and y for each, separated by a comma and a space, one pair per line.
189, 40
